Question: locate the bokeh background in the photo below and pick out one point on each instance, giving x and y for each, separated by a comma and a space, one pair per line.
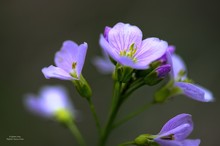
31, 31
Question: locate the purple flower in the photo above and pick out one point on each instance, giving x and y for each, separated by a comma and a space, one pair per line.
175, 132
104, 64
124, 44
50, 100
69, 61
191, 90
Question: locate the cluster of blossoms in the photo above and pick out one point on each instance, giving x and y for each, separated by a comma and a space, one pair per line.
134, 63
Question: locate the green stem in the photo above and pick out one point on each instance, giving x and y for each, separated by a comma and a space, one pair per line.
92, 108
133, 114
127, 143
113, 113
76, 133
134, 86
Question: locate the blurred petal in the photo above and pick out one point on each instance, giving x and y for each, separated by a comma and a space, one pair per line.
54, 98
82, 49
181, 126
178, 65
171, 49
50, 100
56, 72
151, 49
121, 36
31, 102
195, 92
104, 65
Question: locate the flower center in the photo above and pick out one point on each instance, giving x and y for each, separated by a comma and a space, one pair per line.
73, 72
130, 53
169, 137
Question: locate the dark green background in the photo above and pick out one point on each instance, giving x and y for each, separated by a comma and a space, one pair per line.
31, 31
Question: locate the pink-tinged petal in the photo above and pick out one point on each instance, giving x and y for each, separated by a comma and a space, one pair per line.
191, 142
56, 72
195, 92
181, 124
114, 53
178, 65
122, 36
151, 50
66, 56
82, 49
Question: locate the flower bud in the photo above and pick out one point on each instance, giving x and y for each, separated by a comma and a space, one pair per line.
145, 140
83, 87
157, 75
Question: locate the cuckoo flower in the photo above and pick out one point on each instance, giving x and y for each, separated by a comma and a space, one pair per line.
124, 44
175, 132
50, 101
191, 90
69, 61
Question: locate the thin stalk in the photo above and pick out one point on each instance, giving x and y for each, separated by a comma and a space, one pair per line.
113, 113
92, 108
76, 133
127, 143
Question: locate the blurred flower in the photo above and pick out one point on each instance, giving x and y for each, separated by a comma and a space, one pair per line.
69, 61
51, 101
178, 74
175, 132
124, 44
104, 64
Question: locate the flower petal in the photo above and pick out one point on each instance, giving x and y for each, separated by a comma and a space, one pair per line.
121, 36
181, 126
178, 65
162, 142
187, 142
191, 142
82, 49
56, 72
106, 31
66, 56
104, 66
151, 50
107, 48
195, 92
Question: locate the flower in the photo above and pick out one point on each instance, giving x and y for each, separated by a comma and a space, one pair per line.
124, 44
69, 61
175, 132
194, 91
51, 100
104, 64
